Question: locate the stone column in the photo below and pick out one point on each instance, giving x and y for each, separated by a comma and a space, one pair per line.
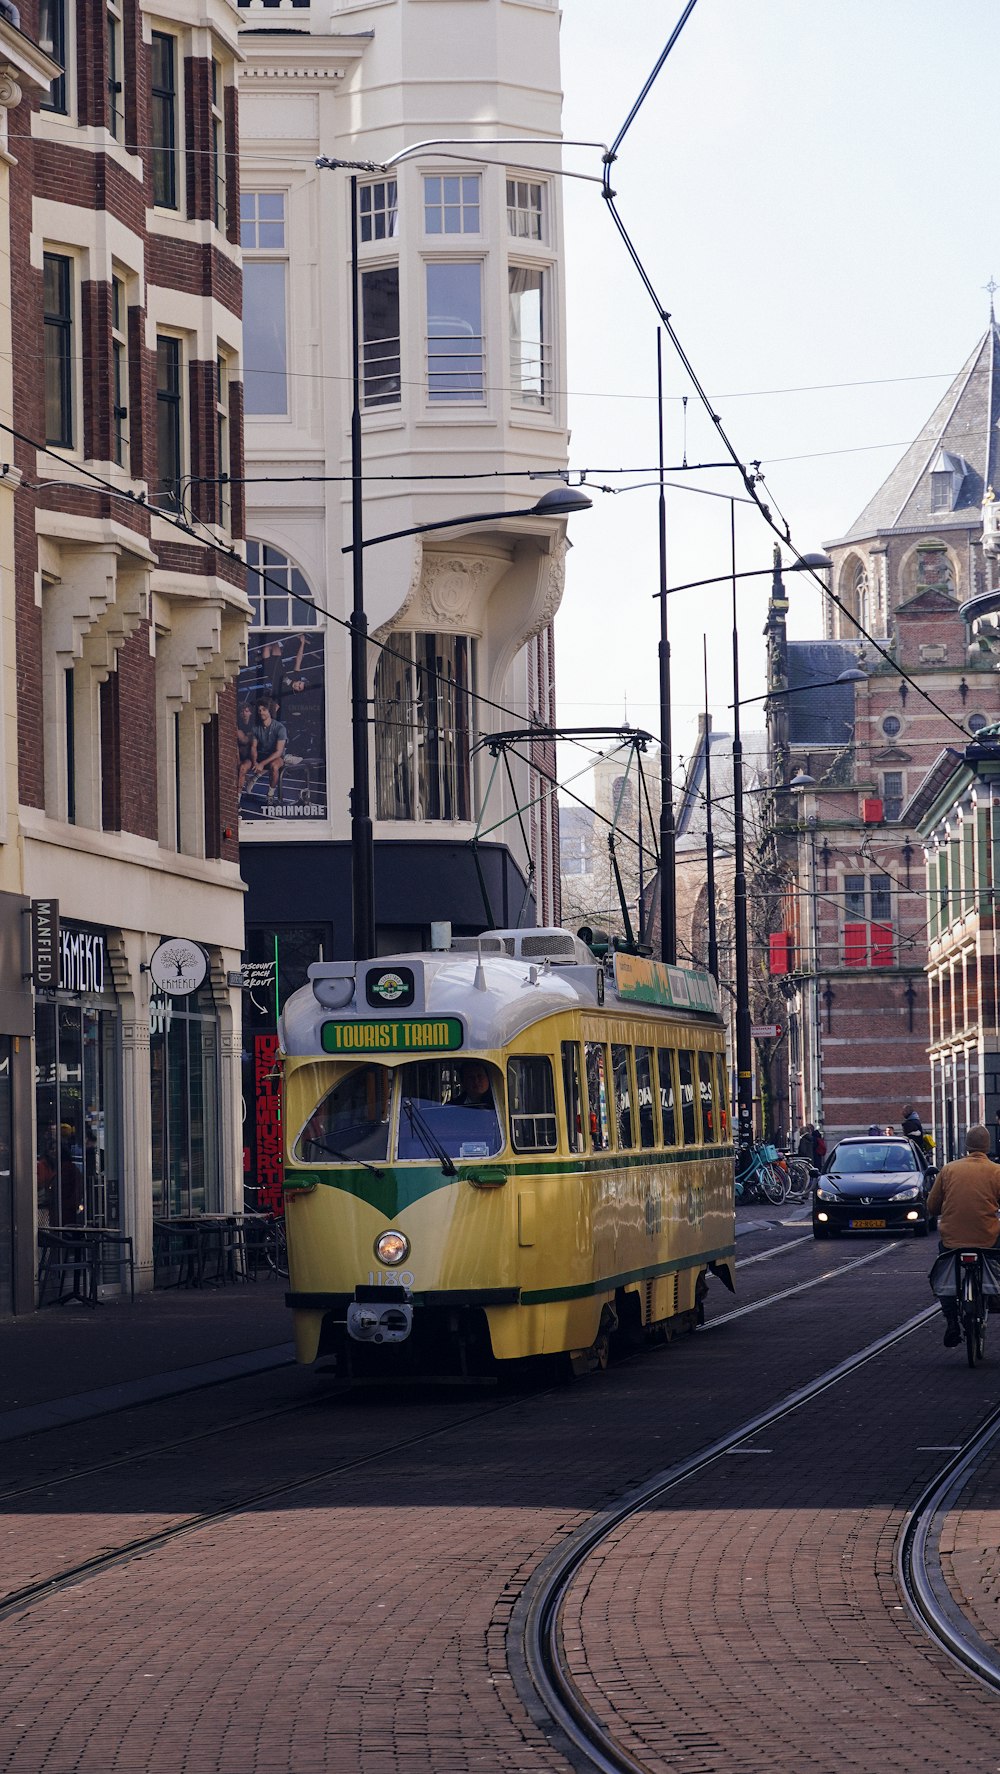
137, 1147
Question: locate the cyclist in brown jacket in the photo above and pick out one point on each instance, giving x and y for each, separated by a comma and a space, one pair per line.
966, 1199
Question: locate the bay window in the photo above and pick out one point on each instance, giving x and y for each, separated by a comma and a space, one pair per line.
529, 346
456, 369
424, 727
381, 370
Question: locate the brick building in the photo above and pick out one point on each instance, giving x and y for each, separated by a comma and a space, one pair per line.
130, 611
848, 933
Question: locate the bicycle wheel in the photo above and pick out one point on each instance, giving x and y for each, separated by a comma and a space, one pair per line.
981, 1332
772, 1185
799, 1178
969, 1320
276, 1247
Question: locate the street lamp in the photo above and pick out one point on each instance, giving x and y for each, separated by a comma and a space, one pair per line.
554, 504
559, 502
744, 1040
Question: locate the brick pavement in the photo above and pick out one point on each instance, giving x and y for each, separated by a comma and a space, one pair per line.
359, 1627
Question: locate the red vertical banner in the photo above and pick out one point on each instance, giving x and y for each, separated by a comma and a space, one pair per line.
267, 1122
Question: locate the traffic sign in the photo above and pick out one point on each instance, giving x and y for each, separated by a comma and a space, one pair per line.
765, 1031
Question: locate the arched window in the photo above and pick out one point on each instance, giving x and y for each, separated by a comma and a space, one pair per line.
278, 592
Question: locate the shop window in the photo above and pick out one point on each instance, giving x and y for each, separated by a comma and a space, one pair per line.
424, 727
668, 1097
76, 1111
597, 1096
184, 1087
644, 1096
573, 1094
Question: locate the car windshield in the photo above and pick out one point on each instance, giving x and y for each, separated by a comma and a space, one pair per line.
866, 1160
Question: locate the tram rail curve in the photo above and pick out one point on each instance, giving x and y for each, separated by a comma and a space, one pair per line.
541, 1679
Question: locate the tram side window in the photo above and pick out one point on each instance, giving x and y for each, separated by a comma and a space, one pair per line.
623, 1095
597, 1096
706, 1080
720, 1065
685, 1068
447, 1106
531, 1100
351, 1122
644, 1095
573, 1093
668, 1097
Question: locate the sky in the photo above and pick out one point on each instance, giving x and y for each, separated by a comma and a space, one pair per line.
810, 188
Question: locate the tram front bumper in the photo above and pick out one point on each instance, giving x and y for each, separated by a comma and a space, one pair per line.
380, 1315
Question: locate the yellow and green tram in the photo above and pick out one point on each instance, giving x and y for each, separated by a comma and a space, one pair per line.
509, 1149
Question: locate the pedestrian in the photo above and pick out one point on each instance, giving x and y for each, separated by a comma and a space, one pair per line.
913, 1127
806, 1149
819, 1147
996, 1135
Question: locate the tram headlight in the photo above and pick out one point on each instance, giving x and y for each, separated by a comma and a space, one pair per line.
392, 1248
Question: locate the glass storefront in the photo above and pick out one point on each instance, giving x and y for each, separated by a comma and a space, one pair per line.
77, 1069
184, 1088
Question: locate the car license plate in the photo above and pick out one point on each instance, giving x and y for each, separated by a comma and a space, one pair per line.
869, 1225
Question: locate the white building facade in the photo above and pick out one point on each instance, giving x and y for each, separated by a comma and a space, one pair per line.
462, 387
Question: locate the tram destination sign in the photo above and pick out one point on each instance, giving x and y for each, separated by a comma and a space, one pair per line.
419, 1034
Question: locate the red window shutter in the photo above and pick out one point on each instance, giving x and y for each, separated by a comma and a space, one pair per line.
855, 945
780, 951
882, 945
871, 811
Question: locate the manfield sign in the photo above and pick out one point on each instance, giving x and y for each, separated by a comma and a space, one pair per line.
45, 944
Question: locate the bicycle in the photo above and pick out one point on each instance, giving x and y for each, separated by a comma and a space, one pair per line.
265, 1232
800, 1178
972, 1308
757, 1179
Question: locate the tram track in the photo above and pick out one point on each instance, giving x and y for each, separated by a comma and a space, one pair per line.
20, 1600
536, 1660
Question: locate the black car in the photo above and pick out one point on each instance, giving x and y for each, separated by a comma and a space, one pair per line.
873, 1184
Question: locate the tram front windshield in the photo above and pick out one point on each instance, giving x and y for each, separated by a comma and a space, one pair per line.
447, 1105
351, 1122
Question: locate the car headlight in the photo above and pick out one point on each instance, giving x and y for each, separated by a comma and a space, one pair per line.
392, 1247
825, 1193
908, 1194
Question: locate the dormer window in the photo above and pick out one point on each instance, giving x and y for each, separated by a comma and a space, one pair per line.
947, 474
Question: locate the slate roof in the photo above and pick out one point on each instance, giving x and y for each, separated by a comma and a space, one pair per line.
963, 425
826, 716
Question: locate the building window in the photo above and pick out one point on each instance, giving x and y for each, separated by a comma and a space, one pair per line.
223, 459
378, 213
52, 39
381, 370
942, 491
891, 725
119, 372
276, 590
424, 727
218, 136
456, 368
524, 209
854, 896
892, 793
58, 278
169, 423
976, 723
880, 887
451, 204
116, 89
69, 732
265, 281
529, 348
111, 813
164, 120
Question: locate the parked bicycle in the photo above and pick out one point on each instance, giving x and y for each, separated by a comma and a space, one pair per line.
759, 1176
800, 1174
265, 1231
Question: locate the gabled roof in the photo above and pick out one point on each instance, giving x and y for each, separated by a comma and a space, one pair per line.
960, 435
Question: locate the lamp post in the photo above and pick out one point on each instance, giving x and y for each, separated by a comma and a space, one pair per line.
559, 502
744, 1040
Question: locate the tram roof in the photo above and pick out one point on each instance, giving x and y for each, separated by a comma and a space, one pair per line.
496, 995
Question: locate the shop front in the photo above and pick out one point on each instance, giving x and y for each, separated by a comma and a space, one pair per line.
78, 1168
184, 1101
